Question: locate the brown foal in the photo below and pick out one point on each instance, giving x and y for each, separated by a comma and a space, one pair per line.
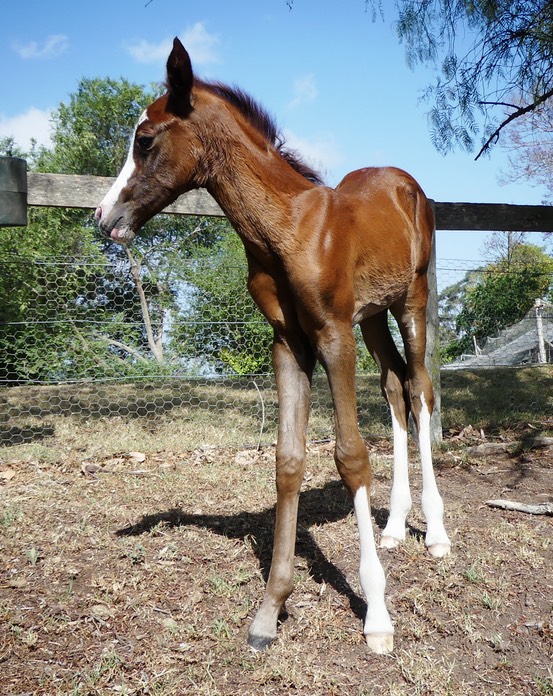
320, 260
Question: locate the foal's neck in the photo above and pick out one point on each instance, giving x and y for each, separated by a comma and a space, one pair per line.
253, 184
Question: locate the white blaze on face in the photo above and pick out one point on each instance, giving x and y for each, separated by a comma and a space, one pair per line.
110, 199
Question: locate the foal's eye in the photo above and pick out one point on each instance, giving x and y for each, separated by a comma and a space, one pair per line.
144, 142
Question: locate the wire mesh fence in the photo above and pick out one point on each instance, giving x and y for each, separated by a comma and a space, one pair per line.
115, 353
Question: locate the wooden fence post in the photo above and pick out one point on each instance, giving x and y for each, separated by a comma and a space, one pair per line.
13, 192
433, 345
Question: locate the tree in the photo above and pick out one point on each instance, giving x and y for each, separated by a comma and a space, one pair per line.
91, 132
83, 315
530, 144
88, 307
487, 50
498, 295
223, 328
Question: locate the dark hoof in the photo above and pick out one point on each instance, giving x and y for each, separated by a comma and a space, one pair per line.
259, 643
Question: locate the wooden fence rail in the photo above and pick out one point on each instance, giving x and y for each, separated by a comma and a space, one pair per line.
77, 191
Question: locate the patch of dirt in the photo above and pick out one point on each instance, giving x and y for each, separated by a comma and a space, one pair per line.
140, 573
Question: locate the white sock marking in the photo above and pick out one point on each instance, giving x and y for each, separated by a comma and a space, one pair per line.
432, 504
400, 497
371, 573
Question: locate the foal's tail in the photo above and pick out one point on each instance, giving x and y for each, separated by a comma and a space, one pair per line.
425, 225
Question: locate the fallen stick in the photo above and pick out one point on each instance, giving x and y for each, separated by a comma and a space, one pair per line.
537, 509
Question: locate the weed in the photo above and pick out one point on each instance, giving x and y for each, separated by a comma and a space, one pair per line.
9, 517
33, 554
474, 574
220, 586
222, 629
136, 555
169, 552
29, 638
545, 684
490, 601
158, 529
497, 642
103, 671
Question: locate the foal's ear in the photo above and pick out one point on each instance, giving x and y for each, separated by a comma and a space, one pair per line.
179, 79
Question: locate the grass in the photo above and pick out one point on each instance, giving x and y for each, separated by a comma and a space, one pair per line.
495, 398
45, 423
145, 583
140, 574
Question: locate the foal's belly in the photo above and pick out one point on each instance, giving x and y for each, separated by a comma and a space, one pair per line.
374, 297
368, 310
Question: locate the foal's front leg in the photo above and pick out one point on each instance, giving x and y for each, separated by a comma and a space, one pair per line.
337, 352
293, 377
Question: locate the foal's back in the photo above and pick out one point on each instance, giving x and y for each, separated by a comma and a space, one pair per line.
391, 204
390, 223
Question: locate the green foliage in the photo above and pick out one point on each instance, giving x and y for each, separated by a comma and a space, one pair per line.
68, 308
9, 148
91, 133
64, 314
485, 51
33, 294
223, 324
497, 296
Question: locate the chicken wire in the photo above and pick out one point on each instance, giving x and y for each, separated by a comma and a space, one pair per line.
79, 366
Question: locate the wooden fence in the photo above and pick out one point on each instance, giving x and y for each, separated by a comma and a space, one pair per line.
77, 191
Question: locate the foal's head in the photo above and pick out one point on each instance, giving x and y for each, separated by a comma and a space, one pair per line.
163, 159
176, 147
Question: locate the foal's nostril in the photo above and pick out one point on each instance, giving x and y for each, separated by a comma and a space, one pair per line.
98, 214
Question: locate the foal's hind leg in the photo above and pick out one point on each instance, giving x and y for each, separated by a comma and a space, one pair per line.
392, 378
293, 369
336, 350
411, 318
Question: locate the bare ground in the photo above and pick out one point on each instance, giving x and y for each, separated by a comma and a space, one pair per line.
139, 574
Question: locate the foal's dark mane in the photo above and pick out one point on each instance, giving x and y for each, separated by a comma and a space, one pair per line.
260, 119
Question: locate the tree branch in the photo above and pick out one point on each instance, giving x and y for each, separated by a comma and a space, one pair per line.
536, 509
155, 346
521, 111
123, 346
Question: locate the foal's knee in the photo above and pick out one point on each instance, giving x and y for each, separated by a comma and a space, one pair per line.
352, 462
290, 465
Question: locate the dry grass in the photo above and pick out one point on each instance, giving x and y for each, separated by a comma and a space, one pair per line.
49, 423
136, 532
139, 574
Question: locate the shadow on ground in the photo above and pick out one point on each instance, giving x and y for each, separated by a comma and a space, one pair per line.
317, 507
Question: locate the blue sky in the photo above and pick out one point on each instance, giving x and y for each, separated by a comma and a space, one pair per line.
336, 81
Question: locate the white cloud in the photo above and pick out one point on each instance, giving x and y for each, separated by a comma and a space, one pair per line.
201, 45
33, 124
54, 45
321, 152
145, 52
305, 91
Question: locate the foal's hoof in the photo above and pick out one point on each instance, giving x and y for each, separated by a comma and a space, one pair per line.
259, 643
389, 542
439, 550
380, 643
